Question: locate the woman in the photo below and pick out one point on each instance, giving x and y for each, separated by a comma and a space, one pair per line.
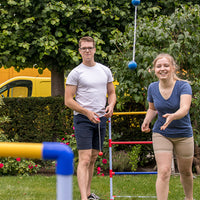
170, 98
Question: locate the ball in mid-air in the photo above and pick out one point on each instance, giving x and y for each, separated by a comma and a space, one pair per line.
132, 65
135, 2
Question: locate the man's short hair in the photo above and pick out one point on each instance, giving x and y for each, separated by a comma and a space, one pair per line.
86, 39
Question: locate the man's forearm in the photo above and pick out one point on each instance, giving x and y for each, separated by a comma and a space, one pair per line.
112, 100
72, 104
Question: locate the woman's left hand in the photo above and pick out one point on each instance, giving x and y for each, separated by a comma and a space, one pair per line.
169, 118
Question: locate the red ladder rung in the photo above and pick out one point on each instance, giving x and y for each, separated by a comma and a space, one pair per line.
132, 142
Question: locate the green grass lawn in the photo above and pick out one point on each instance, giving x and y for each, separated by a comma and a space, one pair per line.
44, 187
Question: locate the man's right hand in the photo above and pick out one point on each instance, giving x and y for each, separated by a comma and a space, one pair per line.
93, 117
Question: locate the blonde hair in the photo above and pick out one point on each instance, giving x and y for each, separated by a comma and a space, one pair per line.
171, 60
86, 39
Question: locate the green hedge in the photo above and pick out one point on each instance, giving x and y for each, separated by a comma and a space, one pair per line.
36, 119
47, 119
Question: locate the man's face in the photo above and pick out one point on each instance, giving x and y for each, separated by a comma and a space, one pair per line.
87, 51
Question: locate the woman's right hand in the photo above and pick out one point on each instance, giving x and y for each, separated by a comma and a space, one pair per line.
145, 127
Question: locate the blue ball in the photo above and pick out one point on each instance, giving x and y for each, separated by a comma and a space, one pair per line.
132, 65
135, 2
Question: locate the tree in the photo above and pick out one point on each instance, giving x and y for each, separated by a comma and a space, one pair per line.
177, 34
45, 33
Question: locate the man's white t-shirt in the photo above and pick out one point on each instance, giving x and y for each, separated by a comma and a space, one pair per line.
91, 85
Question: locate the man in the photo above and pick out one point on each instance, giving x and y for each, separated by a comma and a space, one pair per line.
90, 83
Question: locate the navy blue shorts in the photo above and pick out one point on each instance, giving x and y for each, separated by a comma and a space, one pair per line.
87, 132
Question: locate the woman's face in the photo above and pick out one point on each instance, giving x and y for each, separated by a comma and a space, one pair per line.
164, 70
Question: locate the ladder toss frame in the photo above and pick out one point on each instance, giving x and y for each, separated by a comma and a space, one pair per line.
111, 173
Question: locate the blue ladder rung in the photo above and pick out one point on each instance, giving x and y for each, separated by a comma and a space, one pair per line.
132, 173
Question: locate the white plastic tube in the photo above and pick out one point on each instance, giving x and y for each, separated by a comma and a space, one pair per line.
64, 187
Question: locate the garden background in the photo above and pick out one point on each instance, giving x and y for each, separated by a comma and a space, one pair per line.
45, 33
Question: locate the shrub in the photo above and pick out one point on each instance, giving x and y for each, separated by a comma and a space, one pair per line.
102, 163
103, 166
68, 138
3, 118
134, 156
18, 166
36, 119
120, 161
